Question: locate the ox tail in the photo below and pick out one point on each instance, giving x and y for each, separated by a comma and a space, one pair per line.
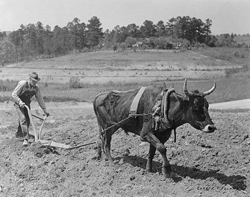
101, 138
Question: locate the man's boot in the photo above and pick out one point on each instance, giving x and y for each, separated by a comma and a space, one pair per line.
25, 143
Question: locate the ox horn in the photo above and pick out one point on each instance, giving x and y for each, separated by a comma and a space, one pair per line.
185, 89
210, 91
164, 86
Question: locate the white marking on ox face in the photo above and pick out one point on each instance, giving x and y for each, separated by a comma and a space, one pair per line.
209, 128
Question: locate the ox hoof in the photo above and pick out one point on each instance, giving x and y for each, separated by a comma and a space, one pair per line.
96, 158
143, 139
167, 172
111, 163
149, 170
143, 143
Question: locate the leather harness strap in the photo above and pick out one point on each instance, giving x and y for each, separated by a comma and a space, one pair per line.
134, 105
165, 108
165, 105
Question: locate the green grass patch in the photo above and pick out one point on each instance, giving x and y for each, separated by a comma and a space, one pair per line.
234, 87
7, 85
234, 55
227, 89
230, 110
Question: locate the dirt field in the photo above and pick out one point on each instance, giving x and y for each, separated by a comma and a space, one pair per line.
204, 164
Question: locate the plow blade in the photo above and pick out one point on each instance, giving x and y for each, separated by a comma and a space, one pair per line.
54, 144
38, 134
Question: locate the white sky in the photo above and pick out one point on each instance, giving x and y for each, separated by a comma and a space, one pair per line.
228, 16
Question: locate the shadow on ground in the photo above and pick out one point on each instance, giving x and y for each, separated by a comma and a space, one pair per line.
235, 181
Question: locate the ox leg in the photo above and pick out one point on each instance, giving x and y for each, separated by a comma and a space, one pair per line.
108, 145
151, 155
154, 141
100, 144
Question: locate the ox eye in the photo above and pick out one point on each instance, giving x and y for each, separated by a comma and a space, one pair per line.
197, 104
196, 108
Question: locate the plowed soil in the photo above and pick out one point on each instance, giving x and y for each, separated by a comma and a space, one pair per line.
216, 164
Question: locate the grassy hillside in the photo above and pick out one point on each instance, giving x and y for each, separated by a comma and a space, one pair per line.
147, 59
227, 89
233, 82
243, 39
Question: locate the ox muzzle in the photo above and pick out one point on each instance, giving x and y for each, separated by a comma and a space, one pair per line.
209, 128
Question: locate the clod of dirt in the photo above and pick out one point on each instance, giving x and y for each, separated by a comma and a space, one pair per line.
40, 150
132, 178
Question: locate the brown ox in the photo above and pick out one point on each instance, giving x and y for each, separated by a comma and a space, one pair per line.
112, 110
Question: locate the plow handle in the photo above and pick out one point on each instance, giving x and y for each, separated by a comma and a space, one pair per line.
38, 134
41, 128
32, 123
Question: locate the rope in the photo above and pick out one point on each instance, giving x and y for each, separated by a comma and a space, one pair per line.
80, 146
122, 121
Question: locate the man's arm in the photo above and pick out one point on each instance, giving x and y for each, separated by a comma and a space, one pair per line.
17, 91
40, 101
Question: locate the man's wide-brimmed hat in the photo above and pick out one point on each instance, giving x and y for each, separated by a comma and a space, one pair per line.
34, 76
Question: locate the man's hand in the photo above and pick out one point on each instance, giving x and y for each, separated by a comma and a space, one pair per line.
22, 104
45, 112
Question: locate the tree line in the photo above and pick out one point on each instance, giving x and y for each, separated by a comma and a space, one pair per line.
36, 40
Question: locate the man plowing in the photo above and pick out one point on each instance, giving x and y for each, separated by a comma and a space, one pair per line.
22, 95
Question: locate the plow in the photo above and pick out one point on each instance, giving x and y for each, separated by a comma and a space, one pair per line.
38, 134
